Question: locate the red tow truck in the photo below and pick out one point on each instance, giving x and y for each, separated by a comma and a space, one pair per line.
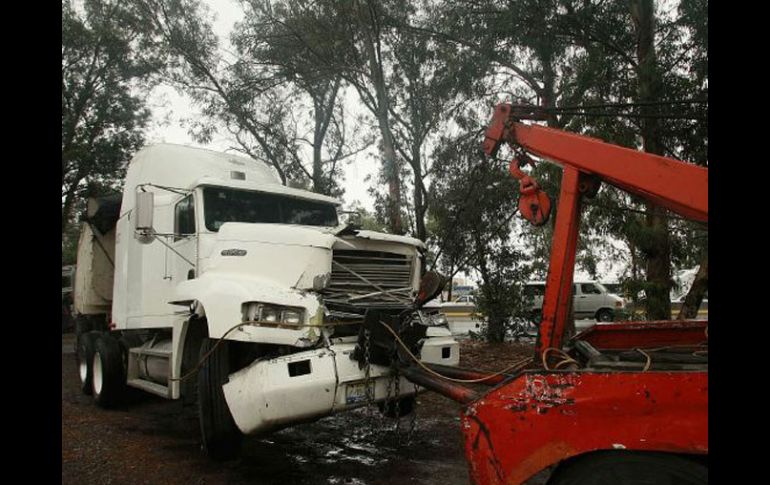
623, 402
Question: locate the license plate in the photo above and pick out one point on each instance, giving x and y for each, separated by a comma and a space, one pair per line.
356, 393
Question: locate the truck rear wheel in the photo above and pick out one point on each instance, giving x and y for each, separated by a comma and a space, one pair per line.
405, 407
108, 376
630, 468
221, 437
84, 356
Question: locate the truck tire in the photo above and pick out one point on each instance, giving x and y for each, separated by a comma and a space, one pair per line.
221, 437
83, 325
630, 468
108, 376
84, 356
605, 315
405, 407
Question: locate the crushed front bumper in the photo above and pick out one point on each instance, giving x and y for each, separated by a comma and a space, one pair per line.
269, 394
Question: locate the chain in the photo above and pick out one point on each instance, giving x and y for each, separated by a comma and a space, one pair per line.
413, 418
367, 375
397, 403
392, 401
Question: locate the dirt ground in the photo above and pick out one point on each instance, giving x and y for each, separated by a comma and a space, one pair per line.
150, 440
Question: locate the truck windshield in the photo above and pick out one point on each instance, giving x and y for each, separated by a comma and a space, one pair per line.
222, 205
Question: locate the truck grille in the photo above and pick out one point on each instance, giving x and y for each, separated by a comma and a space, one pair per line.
388, 271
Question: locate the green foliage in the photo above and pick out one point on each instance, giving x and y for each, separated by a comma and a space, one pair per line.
104, 65
473, 223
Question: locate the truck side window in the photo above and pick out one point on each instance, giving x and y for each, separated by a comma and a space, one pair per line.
590, 289
184, 217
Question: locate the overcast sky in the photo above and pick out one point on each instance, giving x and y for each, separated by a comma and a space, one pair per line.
170, 110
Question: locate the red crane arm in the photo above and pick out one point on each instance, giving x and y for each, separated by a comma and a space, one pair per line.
678, 186
675, 185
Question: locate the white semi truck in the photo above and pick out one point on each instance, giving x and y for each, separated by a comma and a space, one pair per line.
209, 281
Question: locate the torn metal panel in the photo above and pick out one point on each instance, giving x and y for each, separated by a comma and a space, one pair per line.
563, 414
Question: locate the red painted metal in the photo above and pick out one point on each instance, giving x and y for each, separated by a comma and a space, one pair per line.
645, 335
678, 186
558, 286
534, 204
541, 418
454, 391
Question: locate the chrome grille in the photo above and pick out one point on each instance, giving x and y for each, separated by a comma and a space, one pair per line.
361, 276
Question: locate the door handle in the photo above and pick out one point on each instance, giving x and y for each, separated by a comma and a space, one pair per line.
581, 297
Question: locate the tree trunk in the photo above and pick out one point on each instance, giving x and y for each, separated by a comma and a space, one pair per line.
695, 295
419, 190
658, 255
318, 138
390, 163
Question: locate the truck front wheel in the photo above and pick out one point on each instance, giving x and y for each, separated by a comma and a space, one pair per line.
108, 375
221, 437
405, 407
84, 354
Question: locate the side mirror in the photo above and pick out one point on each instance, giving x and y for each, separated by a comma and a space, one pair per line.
354, 218
143, 212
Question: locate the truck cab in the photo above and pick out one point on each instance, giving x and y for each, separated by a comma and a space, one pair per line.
222, 271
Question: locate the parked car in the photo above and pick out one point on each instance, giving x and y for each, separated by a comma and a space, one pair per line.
590, 300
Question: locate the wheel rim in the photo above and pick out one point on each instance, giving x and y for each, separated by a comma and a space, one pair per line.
83, 369
605, 317
97, 373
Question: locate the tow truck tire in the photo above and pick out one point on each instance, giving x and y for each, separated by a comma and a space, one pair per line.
108, 376
405, 407
221, 437
605, 315
84, 356
630, 468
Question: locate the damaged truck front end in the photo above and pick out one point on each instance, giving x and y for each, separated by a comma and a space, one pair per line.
212, 282
312, 299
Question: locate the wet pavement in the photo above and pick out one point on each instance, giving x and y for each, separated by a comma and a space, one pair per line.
150, 440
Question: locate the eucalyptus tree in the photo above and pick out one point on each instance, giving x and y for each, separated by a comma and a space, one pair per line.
257, 92
106, 69
477, 236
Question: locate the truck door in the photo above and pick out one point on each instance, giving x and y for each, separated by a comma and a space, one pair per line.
183, 258
588, 299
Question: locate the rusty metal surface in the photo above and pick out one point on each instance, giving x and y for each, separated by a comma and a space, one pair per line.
541, 418
452, 390
629, 335
460, 373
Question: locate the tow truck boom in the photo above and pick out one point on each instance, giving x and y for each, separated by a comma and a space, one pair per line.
632, 399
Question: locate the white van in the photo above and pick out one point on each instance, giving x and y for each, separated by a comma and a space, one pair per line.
590, 300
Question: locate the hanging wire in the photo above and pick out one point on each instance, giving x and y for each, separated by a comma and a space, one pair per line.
665, 116
581, 110
628, 105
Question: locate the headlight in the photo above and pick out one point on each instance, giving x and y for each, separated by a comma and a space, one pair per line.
270, 314
260, 312
293, 317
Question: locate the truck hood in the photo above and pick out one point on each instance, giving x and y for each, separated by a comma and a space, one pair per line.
314, 236
290, 256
